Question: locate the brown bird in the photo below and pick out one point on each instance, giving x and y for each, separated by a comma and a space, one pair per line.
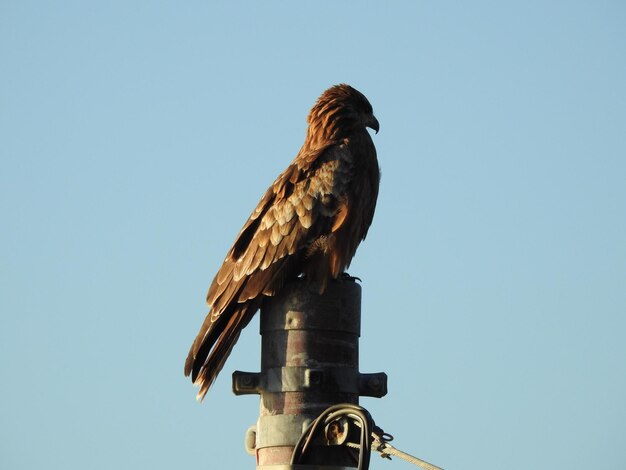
309, 223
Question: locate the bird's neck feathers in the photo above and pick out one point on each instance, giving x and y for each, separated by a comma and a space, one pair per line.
329, 121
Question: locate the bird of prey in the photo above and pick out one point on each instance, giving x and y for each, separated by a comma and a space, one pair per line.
309, 224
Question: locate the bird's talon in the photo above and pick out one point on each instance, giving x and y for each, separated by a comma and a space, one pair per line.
347, 277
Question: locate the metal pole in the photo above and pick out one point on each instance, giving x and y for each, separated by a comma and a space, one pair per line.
309, 361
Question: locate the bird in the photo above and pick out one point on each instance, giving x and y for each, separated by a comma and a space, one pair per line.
307, 225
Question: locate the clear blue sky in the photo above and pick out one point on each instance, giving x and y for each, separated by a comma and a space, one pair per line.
136, 137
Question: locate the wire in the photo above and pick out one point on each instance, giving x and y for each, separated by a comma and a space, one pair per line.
359, 415
371, 437
381, 444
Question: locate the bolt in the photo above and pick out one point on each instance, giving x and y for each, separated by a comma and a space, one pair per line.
374, 383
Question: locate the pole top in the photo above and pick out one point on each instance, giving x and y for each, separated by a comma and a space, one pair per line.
298, 306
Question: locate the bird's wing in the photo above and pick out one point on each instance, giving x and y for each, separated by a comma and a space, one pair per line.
305, 202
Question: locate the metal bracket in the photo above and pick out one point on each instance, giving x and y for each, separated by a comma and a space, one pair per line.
373, 385
302, 379
247, 383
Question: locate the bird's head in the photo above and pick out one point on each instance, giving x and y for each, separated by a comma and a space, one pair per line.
340, 111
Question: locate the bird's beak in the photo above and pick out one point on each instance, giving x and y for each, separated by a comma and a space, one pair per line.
373, 124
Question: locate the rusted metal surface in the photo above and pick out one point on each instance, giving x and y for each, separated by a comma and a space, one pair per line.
302, 467
309, 361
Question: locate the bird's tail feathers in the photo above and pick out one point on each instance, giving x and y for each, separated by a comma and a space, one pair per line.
214, 343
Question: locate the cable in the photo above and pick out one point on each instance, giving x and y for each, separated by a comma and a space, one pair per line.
359, 415
371, 437
381, 444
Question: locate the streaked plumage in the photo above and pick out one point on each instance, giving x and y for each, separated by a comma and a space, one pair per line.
309, 222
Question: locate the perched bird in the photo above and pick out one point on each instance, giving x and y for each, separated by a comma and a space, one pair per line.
309, 223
